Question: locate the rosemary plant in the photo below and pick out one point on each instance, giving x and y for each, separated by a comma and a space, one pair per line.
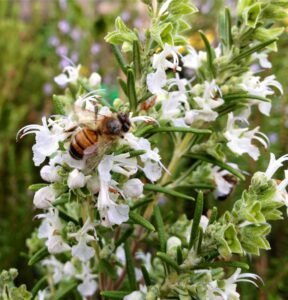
168, 143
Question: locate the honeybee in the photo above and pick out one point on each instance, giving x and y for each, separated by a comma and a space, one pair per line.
97, 136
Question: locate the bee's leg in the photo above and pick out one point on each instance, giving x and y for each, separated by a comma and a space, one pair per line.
96, 111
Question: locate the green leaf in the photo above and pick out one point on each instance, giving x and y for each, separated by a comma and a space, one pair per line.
138, 219
160, 228
123, 85
214, 215
179, 255
130, 267
196, 219
37, 186
223, 264
225, 29
137, 59
179, 129
38, 286
140, 203
114, 294
131, 90
221, 164
252, 50
241, 96
210, 54
182, 7
168, 191
124, 236
64, 198
58, 105
120, 59
168, 260
64, 290
135, 153
145, 275
251, 15
39, 255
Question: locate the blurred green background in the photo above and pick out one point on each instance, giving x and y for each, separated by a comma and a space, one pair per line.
34, 35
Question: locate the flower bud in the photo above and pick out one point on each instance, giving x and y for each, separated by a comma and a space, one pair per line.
133, 188
93, 185
94, 79
76, 179
50, 173
173, 242
44, 197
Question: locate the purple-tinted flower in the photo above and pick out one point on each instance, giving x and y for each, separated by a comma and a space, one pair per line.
47, 89
273, 137
63, 4
62, 50
64, 63
74, 56
255, 68
95, 48
76, 34
107, 79
126, 16
64, 26
138, 23
53, 41
94, 67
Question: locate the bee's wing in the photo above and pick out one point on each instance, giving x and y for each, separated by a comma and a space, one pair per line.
94, 154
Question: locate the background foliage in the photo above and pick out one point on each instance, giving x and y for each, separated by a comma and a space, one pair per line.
34, 35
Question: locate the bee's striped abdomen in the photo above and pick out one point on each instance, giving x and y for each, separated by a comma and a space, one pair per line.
81, 141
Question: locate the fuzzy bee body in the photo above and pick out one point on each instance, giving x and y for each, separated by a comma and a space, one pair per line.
107, 130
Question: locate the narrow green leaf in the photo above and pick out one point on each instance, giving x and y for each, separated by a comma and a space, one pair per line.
210, 54
200, 237
58, 105
145, 275
63, 291
37, 186
252, 50
131, 90
136, 59
123, 85
164, 190
196, 219
64, 198
141, 203
214, 215
179, 129
160, 228
120, 59
39, 255
114, 294
168, 260
179, 255
65, 215
38, 286
138, 219
124, 236
240, 96
130, 267
218, 264
135, 153
221, 164
225, 29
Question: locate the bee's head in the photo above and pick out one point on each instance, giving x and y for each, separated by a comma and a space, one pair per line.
124, 120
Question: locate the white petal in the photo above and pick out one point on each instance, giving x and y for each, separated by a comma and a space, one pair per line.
87, 288
61, 79
152, 170
82, 251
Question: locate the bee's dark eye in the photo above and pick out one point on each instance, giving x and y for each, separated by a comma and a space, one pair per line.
113, 126
125, 127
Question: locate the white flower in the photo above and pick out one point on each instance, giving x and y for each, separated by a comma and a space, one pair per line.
50, 229
44, 197
253, 85
47, 141
50, 173
136, 295
82, 251
275, 164
93, 184
133, 188
209, 101
94, 79
223, 187
158, 79
88, 286
173, 242
110, 212
193, 60
76, 179
240, 139
263, 60
60, 270
70, 74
